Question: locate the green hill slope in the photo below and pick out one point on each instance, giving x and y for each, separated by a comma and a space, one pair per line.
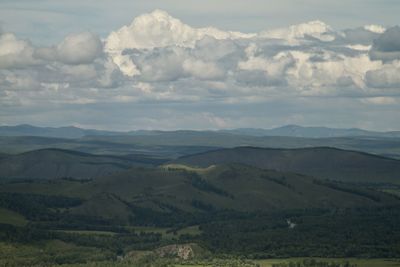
235, 209
323, 162
173, 189
57, 163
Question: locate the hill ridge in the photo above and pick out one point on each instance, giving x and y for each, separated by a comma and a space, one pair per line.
321, 162
291, 149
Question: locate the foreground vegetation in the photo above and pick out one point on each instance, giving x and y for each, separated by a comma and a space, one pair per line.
59, 253
236, 239
175, 215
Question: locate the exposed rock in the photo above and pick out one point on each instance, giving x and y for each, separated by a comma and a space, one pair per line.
182, 251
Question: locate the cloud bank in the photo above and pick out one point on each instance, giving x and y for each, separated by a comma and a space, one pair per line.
159, 59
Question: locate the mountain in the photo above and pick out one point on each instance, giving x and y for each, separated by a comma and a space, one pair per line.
58, 132
58, 163
115, 145
311, 132
320, 162
286, 131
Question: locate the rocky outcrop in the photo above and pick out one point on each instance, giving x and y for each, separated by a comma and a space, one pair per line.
182, 251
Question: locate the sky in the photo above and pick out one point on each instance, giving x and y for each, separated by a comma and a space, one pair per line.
212, 64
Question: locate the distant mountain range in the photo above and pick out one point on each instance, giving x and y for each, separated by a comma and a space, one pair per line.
58, 132
311, 132
287, 131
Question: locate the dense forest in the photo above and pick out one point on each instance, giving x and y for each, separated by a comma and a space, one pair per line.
229, 214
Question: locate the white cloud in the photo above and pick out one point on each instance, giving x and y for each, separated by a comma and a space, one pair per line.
76, 61
202, 70
274, 67
10, 45
15, 53
380, 100
360, 47
161, 65
316, 29
159, 59
109, 75
81, 48
156, 47
19, 81
263, 71
375, 28
211, 49
159, 29
386, 77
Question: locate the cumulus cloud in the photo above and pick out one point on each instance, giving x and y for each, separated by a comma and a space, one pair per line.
77, 61
387, 46
75, 49
209, 48
161, 64
361, 35
262, 70
15, 53
159, 29
81, 48
158, 58
202, 70
375, 28
256, 78
385, 77
315, 29
17, 80
109, 75
155, 30
310, 58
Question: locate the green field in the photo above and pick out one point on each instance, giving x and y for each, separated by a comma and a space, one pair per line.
11, 217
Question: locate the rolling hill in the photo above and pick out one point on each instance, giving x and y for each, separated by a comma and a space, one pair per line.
100, 145
174, 188
226, 202
58, 163
175, 144
320, 162
211, 140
